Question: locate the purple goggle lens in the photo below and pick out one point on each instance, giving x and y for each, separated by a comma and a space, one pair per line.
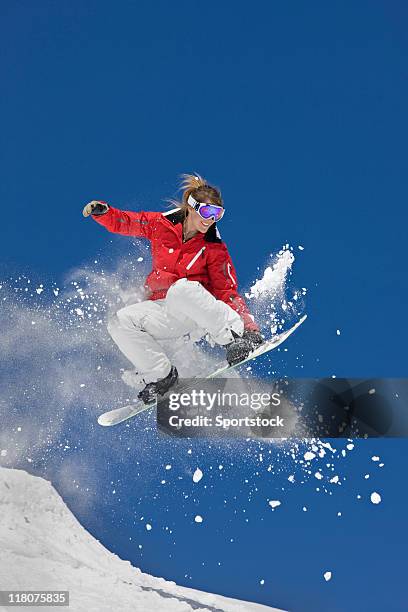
206, 211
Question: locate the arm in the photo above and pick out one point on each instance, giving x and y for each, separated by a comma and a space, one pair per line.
126, 223
224, 284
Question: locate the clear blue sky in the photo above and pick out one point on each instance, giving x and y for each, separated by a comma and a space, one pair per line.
299, 112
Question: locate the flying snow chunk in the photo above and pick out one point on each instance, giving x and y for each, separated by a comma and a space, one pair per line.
327, 576
300, 247
274, 503
148, 527
140, 259
262, 582
274, 276
375, 498
197, 476
309, 456
375, 458
338, 332
3, 453
318, 475
327, 445
198, 518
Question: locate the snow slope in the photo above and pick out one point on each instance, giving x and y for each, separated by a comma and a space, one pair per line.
43, 546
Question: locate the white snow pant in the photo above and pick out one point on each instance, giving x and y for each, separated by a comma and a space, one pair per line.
188, 308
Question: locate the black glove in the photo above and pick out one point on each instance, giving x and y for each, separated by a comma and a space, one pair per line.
96, 207
242, 346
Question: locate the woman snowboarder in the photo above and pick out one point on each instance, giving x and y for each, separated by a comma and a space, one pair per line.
192, 288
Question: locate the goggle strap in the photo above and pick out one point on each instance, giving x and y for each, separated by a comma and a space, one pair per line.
193, 202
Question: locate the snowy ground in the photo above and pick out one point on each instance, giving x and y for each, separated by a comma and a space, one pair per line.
43, 546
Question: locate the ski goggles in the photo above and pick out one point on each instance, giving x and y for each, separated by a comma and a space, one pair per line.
206, 211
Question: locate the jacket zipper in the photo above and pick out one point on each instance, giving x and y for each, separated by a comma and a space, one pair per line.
196, 256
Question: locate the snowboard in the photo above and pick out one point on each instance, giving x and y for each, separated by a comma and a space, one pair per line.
119, 415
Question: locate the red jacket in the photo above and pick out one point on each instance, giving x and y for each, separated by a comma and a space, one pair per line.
203, 258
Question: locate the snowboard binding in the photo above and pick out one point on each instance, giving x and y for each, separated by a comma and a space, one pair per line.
149, 394
242, 346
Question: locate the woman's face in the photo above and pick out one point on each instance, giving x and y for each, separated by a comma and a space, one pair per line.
197, 223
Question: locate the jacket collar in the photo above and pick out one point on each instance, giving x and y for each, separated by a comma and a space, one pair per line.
177, 216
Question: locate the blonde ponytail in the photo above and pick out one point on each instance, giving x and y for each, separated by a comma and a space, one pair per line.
197, 186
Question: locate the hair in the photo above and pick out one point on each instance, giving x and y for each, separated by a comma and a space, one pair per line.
197, 186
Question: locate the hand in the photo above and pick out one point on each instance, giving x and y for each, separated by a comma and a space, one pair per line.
96, 207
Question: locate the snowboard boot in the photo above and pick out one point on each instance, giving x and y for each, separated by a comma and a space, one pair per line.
242, 346
160, 387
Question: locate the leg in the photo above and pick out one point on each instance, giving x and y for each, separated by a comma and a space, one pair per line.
136, 330
189, 300
142, 350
